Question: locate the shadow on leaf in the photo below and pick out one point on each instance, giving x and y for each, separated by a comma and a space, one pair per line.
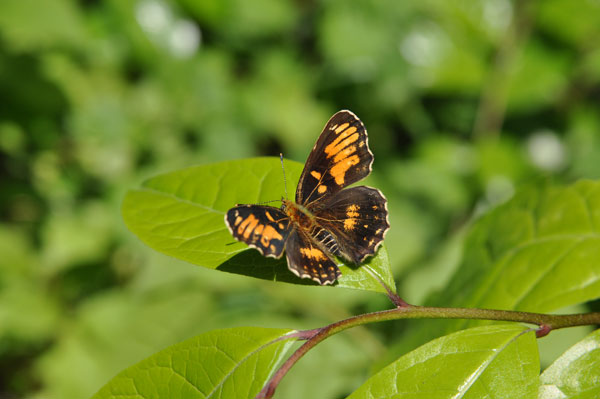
252, 263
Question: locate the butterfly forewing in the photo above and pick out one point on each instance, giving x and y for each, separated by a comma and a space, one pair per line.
340, 157
307, 260
262, 227
357, 219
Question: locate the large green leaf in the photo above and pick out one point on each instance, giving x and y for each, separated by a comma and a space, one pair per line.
539, 252
484, 362
182, 213
230, 363
575, 373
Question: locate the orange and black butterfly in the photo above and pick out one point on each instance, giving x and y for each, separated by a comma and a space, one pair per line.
326, 219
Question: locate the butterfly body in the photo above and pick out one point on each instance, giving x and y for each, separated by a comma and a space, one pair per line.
326, 219
299, 216
302, 219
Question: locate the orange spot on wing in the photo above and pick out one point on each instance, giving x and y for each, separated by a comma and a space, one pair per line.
338, 171
313, 253
315, 174
342, 150
268, 234
344, 154
341, 127
351, 211
322, 188
237, 220
247, 226
349, 224
342, 141
269, 216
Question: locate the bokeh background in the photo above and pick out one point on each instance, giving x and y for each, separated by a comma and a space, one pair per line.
464, 100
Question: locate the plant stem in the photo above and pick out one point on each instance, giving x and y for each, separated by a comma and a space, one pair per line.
392, 296
546, 323
496, 87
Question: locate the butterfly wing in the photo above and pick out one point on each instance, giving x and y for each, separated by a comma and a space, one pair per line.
357, 218
340, 157
262, 227
307, 260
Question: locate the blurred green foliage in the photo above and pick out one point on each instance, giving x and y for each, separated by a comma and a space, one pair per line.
463, 100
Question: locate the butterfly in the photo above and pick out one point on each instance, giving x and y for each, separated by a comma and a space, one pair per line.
326, 219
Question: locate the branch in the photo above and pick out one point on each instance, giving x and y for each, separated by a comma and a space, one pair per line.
545, 323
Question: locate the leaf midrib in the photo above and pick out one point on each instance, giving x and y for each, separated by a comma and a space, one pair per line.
180, 199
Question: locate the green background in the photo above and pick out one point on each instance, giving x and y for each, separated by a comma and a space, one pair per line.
465, 102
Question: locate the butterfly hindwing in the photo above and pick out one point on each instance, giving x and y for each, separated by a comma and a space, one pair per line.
306, 260
340, 157
262, 227
357, 219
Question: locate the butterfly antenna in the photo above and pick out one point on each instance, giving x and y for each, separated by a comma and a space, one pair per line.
284, 181
266, 202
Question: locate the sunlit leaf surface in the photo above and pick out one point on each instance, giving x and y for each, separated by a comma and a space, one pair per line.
575, 373
231, 363
482, 362
539, 252
182, 215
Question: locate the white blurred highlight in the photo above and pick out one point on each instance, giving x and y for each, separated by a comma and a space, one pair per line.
498, 14
546, 151
184, 38
424, 46
181, 37
153, 16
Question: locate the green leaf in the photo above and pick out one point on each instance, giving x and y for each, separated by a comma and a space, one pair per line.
28, 315
581, 24
484, 362
539, 252
575, 373
181, 214
64, 28
226, 363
